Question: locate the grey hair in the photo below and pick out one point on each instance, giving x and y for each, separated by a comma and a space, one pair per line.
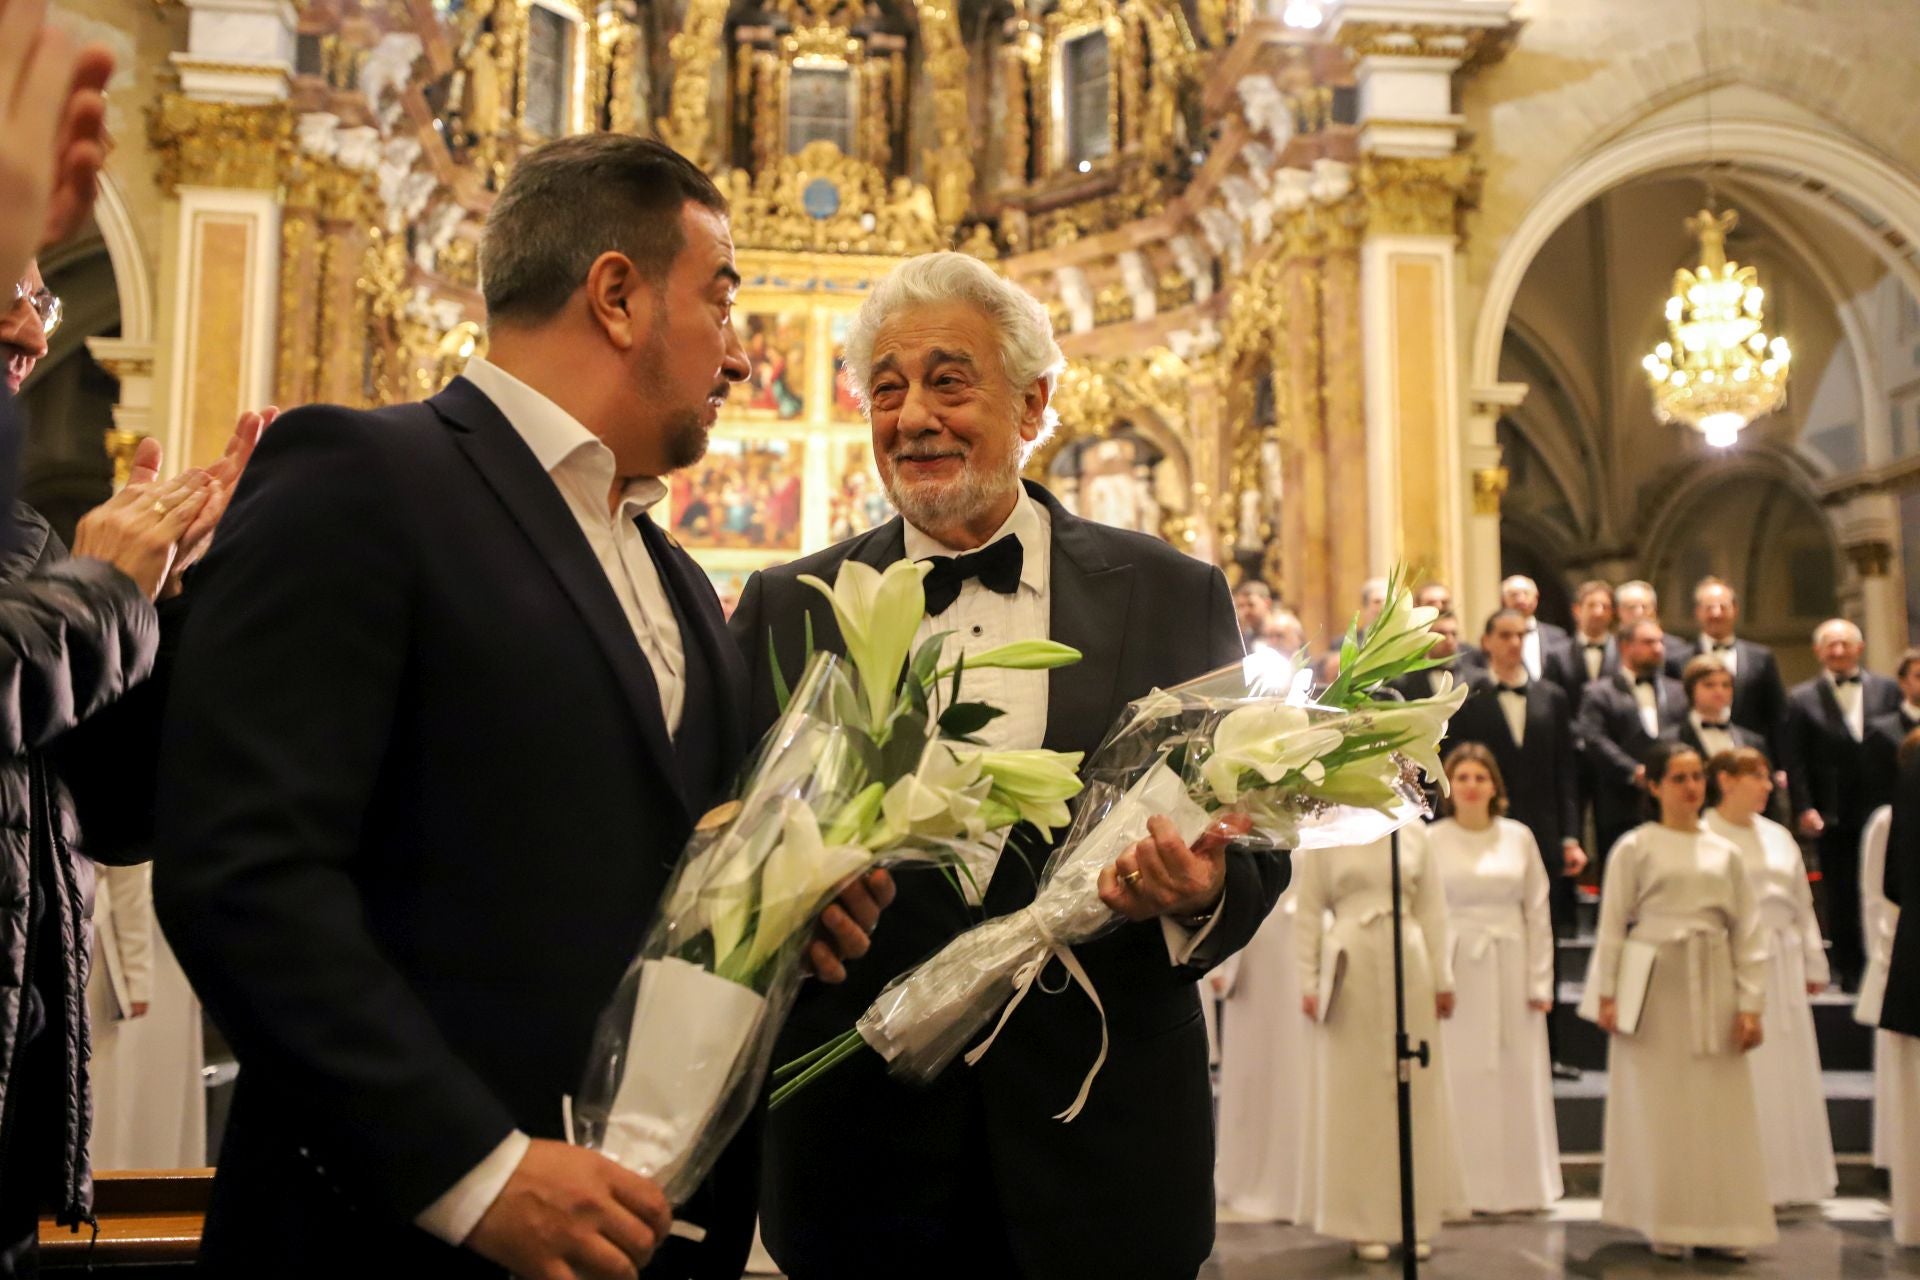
1027, 349
1853, 629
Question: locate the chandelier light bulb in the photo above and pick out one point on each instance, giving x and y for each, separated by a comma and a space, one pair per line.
1723, 429
1303, 15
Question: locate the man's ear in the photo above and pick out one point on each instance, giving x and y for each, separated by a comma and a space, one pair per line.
619, 299
1033, 409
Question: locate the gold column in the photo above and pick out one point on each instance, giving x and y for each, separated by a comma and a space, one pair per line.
1297, 370
341, 347
693, 49
1345, 399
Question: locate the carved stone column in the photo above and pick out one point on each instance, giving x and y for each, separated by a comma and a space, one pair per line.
1311, 500
131, 364
1477, 592
1869, 531
1344, 371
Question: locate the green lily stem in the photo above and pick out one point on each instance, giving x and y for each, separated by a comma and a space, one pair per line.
839, 1051
805, 1060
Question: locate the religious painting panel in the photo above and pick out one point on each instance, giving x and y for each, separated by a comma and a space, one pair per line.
776, 344
845, 404
746, 494
857, 502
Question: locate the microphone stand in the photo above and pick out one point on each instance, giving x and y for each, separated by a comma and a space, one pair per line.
1405, 1055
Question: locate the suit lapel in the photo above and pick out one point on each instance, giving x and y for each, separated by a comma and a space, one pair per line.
1088, 610
1830, 705
530, 497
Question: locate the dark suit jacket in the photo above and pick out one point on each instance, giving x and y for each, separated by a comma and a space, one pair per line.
418, 801
1759, 697
1901, 1011
1885, 733
1127, 1188
1541, 775
1826, 769
1558, 662
1615, 741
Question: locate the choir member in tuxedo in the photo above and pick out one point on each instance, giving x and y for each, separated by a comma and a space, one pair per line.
1887, 731
971, 1176
1759, 698
1549, 650
1438, 596
1829, 772
1595, 656
446, 710
1619, 720
1900, 1007
1636, 600
1709, 727
1253, 605
1528, 727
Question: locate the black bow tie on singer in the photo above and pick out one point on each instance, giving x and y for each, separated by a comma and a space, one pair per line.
1854, 679
997, 565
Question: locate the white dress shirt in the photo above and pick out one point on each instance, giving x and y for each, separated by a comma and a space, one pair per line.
1648, 696
1595, 658
1513, 705
582, 468
1909, 710
980, 619
1714, 740
1724, 650
1852, 700
1530, 649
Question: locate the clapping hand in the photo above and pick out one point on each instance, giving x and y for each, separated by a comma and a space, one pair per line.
52, 132
225, 475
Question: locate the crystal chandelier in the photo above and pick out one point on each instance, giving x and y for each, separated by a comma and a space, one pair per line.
1718, 371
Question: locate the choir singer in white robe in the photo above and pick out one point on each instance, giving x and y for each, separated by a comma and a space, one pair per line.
1786, 1065
1265, 1075
1879, 918
1498, 1070
1352, 1184
1683, 1164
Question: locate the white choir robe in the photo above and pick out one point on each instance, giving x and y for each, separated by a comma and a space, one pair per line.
1352, 1185
1901, 1061
1788, 1091
1879, 918
1498, 1068
1683, 1164
1265, 1063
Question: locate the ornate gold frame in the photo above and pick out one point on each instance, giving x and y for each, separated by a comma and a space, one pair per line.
1073, 21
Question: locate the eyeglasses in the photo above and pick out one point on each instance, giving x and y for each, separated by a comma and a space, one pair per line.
45, 303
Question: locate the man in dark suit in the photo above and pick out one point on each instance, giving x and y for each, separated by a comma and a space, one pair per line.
1636, 600
1759, 697
1709, 727
972, 1176
1466, 665
1886, 732
1595, 656
444, 715
1829, 775
1619, 720
1527, 726
1900, 1008
1549, 650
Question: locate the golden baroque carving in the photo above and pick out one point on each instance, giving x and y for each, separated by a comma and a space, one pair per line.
693, 49
950, 161
769, 209
219, 144
1422, 40
1418, 195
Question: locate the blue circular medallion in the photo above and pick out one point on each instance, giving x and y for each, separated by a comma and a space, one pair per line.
821, 199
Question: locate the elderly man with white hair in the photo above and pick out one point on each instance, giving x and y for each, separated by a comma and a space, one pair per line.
1548, 652
972, 1176
1823, 742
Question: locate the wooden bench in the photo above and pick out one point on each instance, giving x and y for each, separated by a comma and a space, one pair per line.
149, 1218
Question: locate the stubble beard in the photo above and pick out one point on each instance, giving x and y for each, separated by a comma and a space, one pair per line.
684, 433
972, 496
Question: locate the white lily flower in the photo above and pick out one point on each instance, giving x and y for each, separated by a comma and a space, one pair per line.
800, 872
878, 614
1420, 726
1272, 740
1037, 783
940, 799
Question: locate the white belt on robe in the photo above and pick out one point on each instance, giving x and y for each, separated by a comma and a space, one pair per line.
1356, 914
1480, 928
1710, 989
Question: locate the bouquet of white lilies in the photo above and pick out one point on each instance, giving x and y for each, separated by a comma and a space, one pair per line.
1242, 749
865, 766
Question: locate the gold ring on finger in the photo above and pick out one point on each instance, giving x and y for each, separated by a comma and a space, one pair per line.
160, 506
1131, 878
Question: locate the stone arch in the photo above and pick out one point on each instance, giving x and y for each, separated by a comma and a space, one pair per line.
131, 275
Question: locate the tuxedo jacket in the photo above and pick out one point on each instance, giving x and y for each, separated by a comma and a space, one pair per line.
418, 802
1558, 662
1884, 735
1686, 733
1541, 773
865, 1175
1615, 741
1901, 1009
1759, 696
1826, 768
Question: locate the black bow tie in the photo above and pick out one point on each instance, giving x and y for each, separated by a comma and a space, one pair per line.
1721, 725
1646, 680
1520, 689
1720, 646
1596, 646
1853, 679
997, 565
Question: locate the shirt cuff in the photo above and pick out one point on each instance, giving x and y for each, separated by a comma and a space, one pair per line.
456, 1213
1183, 942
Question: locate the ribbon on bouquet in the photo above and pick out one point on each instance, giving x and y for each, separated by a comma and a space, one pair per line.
1023, 981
